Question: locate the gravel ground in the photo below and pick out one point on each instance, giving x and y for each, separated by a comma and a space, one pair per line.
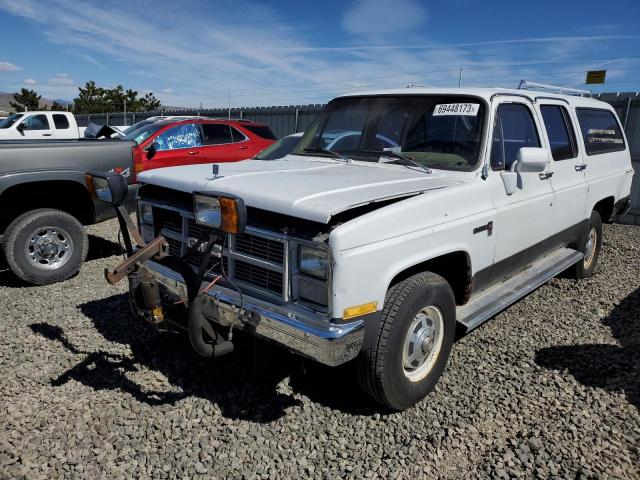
551, 387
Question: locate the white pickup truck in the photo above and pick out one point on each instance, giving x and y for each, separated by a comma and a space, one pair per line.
445, 207
40, 125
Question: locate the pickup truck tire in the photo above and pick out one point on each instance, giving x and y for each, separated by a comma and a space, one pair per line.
45, 246
418, 319
590, 246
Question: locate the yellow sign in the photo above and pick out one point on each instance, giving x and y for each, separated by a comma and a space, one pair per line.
596, 76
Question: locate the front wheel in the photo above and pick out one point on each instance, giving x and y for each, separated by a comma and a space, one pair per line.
414, 340
45, 246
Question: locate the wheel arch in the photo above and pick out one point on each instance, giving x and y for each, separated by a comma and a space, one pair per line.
69, 196
605, 208
454, 267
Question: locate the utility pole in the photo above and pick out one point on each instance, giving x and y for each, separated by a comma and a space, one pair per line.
125, 112
229, 102
460, 77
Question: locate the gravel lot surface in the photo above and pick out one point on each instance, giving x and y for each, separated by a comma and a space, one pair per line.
549, 388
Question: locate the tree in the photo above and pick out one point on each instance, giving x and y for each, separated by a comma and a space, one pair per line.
90, 99
58, 107
26, 99
149, 103
94, 99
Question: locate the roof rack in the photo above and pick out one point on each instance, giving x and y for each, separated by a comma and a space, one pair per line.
525, 85
242, 120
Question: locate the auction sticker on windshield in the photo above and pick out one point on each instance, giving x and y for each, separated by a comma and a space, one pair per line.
469, 109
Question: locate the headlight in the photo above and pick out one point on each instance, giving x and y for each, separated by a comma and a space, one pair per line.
227, 213
313, 261
145, 213
207, 211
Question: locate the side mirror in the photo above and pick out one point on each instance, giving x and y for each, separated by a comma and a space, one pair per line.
20, 127
531, 159
151, 151
108, 187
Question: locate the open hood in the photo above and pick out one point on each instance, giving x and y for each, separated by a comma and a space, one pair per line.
310, 188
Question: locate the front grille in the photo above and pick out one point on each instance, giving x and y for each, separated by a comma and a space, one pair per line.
254, 260
260, 247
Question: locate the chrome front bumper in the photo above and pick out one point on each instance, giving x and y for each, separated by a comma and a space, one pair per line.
301, 332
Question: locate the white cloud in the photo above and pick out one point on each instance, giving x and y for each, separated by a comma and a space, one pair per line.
30, 81
378, 18
8, 67
61, 80
278, 63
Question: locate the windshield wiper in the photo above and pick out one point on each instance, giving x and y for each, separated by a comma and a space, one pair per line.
328, 152
398, 156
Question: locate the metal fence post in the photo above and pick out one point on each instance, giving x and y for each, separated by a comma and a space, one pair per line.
295, 122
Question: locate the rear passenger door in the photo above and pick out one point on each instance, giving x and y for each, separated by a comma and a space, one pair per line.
223, 143
566, 167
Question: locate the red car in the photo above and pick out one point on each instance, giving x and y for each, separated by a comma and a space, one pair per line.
168, 143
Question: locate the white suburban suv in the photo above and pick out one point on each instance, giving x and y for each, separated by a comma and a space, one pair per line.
437, 209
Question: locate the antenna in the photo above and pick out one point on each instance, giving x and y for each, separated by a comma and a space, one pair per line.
525, 84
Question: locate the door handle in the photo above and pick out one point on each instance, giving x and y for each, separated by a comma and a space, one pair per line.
47, 134
193, 152
545, 175
242, 147
582, 167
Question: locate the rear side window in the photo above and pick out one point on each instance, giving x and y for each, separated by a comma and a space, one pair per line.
513, 129
36, 122
237, 135
216, 134
260, 130
60, 121
600, 130
559, 130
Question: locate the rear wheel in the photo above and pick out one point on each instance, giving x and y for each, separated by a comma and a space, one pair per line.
590, 247
414, 340
45, 246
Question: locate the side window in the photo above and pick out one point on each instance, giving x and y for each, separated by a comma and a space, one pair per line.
559, 130
600, 131
216, 134
36, 122
513, 129
237, 135
180, 136
60, 121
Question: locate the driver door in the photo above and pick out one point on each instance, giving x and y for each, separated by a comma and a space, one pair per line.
35, 127
525, 218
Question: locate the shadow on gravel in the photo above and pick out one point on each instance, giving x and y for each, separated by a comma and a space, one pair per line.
102, 248
246, 384
615, 368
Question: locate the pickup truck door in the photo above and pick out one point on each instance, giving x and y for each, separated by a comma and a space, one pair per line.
524, 219
566, 166
178, 145
33, 127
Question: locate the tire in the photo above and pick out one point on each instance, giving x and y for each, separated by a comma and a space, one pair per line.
586, 267
382, 371
45, 246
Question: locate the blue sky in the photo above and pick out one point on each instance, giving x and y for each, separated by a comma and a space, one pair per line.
288, 52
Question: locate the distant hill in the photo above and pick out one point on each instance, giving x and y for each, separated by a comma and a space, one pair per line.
5, 98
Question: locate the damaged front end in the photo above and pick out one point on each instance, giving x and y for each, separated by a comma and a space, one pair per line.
196, 266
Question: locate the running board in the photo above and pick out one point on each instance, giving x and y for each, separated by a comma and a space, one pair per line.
498, 297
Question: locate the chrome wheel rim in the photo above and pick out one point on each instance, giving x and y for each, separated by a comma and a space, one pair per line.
590, 248
422, 343
49, 248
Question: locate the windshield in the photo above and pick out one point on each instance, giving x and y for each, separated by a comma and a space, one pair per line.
7, 122
142, 133
434, 131
137, 125
281, 148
